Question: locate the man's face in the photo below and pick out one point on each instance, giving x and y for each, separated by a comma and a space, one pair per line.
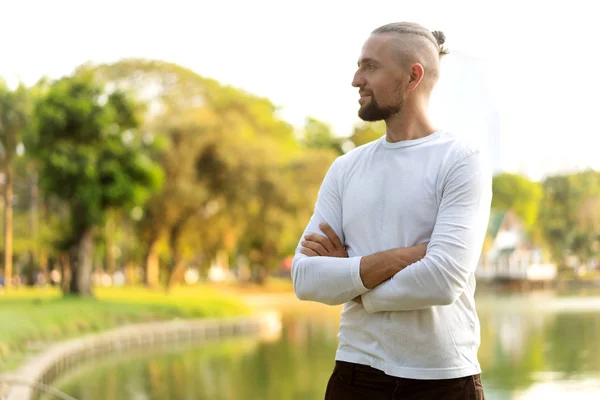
380, 79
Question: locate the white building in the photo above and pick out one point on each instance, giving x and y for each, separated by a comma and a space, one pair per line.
510, 255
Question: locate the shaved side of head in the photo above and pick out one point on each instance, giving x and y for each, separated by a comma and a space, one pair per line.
416, 44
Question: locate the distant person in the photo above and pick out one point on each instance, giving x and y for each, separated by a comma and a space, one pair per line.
396, 235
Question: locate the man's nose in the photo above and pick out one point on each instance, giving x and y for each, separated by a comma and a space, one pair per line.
358, 80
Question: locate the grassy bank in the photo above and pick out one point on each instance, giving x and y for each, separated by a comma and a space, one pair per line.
32, 318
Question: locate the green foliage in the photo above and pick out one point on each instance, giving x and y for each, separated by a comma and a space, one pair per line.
367, 132
319, 135
561, 214
236, 173
517, 193
87, 153
14, 112
570, 215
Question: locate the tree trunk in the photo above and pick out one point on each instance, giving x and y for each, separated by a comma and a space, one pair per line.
82, 265
30, 270
8, 227
43, 263
152, 265
65, 273
178, 264
260, 275
178, 273
130, 275
109, 234
34, 226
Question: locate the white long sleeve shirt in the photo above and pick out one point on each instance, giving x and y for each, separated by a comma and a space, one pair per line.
421, 323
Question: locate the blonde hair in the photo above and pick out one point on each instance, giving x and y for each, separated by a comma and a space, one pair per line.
437, 38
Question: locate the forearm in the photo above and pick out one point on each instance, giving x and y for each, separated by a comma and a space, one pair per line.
328, 280
425, 284
379, 267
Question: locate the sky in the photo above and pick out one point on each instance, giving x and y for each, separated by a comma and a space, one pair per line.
522, 76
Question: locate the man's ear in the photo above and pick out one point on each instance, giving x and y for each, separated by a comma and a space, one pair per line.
417, 72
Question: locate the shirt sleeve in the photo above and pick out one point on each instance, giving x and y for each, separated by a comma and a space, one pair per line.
328, 280
454, 249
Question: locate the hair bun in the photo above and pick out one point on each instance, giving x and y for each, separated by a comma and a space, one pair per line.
440, 37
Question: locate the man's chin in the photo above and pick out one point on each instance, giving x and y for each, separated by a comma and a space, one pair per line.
367, 116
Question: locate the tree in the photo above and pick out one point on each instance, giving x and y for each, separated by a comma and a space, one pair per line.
367, 132
517, 193
319, 135
585, 191
556, 220
182, 112
570, 215
90, 159
227, 159
14, 113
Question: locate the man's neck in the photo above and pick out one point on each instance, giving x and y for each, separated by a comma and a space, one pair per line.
408, 125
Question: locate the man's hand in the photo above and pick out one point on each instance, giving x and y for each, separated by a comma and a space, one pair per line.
325, 246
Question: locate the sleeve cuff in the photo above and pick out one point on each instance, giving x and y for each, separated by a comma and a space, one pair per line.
368, 304
355, 274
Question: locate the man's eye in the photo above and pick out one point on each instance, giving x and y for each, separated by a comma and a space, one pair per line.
370, 67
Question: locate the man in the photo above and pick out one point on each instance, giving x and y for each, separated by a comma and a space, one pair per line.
396, 235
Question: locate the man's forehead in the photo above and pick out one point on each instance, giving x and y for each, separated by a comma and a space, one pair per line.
376, 46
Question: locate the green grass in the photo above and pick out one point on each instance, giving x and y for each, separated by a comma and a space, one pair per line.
32, 318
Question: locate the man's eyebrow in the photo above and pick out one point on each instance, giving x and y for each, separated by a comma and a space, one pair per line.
366, 61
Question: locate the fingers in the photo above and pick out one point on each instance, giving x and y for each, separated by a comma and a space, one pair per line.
322, 240
308, 252
333, 237
316, 247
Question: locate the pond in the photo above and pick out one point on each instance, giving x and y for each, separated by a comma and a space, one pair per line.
534, 346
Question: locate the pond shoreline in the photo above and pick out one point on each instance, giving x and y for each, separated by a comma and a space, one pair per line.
45, 368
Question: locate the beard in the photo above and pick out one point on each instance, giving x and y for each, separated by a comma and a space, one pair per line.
373, 112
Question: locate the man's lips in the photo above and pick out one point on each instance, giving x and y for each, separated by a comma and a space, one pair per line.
363, 97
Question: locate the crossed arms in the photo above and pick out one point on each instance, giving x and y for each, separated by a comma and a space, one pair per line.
373, 269
403, 278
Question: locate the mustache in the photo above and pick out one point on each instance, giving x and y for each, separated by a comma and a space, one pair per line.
365, 93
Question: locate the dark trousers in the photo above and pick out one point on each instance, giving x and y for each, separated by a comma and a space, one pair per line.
360, 382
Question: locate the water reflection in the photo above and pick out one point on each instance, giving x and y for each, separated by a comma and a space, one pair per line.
529, 342
531, 345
